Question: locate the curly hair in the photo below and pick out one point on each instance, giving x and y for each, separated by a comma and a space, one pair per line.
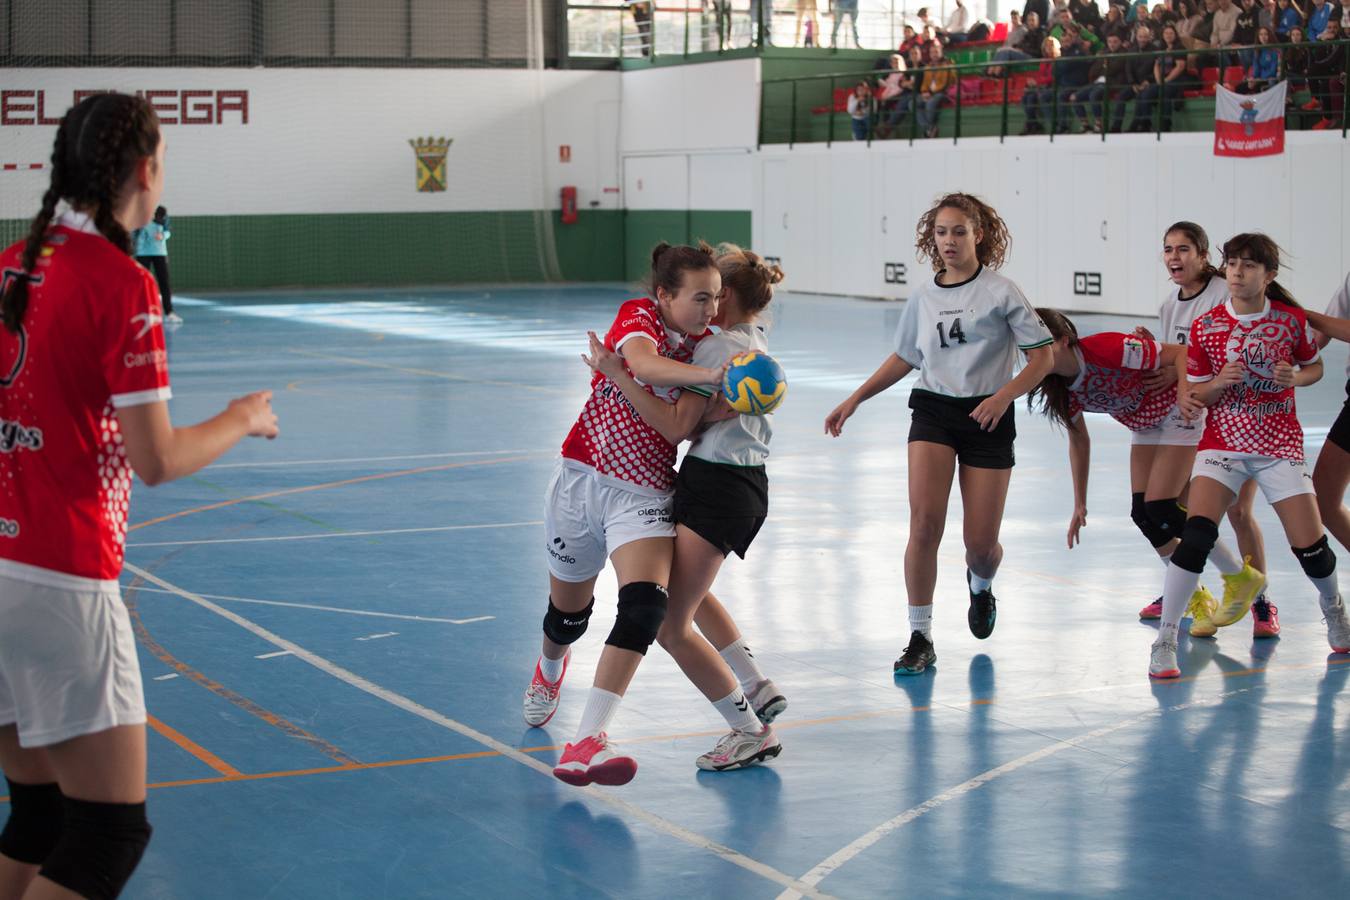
746, 273
995, 244
98, 144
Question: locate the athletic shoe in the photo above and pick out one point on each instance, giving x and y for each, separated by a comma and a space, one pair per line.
1152, 611
983, 611
1201, 610
173, 319
1338, 627
1239, 590
918, 656
765, 700
1312, 104
740, 749
1265, 619
1322, 124
592, 760
541, 697
1163, 661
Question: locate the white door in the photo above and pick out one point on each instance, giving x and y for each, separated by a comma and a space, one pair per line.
773, 210
893, 267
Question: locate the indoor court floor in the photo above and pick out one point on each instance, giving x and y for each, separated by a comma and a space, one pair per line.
336, 628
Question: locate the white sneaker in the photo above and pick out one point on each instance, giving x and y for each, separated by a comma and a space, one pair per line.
765, 700
739, 749
541, 697
173, 319
593, 760
1338, 627
1163, 661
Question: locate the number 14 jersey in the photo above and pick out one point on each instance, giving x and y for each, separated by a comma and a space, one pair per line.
963, 338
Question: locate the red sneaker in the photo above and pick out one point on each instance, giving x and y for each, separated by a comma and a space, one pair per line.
1323, 125
593, 760
1312, 104
541, 697
1265, 619
1152, 611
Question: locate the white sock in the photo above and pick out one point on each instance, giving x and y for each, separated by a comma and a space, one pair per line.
736, 710
1165, 560
921, 620
1328, 593
742, 663
601, 706
978, 584
552, 669
1223, 557
1177, 589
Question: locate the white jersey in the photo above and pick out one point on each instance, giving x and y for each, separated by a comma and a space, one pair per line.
963, 338
1177, 312
744, 440
1340, 308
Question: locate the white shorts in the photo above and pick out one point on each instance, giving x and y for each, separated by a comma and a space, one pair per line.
1279, 479
586, 519
1173, 431
68, 662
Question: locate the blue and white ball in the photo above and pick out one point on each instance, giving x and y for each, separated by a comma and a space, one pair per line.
754, 383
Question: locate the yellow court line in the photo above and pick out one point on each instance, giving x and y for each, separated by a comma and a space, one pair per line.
194, 748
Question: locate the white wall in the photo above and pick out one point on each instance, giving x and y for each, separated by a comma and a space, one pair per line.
836, 216
336, 140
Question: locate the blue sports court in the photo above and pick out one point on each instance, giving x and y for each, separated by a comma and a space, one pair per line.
335, 631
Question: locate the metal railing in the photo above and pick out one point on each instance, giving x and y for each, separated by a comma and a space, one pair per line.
810, 97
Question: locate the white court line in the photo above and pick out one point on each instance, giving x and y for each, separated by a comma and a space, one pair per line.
650, 819
358, 459
273, 655
376, 637
166, 677
336, 609
337, 534
832, 863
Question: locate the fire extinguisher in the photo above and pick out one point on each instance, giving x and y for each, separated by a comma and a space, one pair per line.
569, 205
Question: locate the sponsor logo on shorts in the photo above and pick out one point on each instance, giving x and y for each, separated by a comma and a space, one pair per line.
656, 514
1220, 462
14, 434
8, 528
555, 551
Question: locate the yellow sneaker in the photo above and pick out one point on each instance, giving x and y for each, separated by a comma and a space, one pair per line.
1239, 591
1201, 609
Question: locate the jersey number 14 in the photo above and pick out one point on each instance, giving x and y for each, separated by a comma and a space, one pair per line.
954, 333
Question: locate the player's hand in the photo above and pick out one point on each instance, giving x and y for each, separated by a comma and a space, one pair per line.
1159, 378
256, 411
1233, 372
990, 410
1078, 522
1284, 373
1141, 332
1190, 405
602, 359
718, 410
834, 422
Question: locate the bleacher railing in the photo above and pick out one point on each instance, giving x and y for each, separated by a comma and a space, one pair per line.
790, 106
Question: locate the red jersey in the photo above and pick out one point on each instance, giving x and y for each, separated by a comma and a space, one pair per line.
1110, 380
91, 343
610, 437
1255, 417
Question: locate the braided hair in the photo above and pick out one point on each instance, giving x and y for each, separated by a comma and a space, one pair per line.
98, 145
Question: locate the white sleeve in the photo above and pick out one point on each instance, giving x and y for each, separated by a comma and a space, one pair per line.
711, 352
1340, 301
907, 334
1027, 328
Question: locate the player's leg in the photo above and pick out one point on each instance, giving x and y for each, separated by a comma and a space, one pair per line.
932, 467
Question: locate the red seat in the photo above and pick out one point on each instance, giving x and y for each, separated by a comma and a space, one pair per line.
841, 99
1209, 76
1000, 32
1232, 76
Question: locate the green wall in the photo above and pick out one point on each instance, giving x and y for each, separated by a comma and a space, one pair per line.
644, 228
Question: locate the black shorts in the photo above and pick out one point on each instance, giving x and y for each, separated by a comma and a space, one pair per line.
725, 505
946, 420
1340, 429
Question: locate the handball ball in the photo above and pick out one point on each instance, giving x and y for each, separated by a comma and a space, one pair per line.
754, 383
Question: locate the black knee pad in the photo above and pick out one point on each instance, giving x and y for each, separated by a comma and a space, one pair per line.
100, 845
563, 627
1197, 540
1139, 515
1318, 561
34, 826
1167, 516
642, 609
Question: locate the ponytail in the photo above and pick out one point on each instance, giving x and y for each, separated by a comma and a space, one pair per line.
746, 273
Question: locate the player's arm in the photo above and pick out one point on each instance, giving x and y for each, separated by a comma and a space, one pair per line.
887, 374
159, 452
1080, 451
1288, 375
673, 421
1040, 360
652, 368
1328, 328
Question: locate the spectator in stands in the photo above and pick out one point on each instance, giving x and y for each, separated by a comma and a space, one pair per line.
860, 104
1076, 55
1016, 30
1188, 17
1264, 68
939, 77
719, 35
1029, 48
909, 89
1267, 15
806, 12
1169, 80
1326, 70
845, 8
892, 86
1318, 17
1065, 23
1111, 68
1291, 16
1296, 62
1244, 33
1225, 24
1140, 76
957, 25
1042, 10
1086, 13
761, 21
1040, 93
1137, 12
1115, 22
642, 18
909, 38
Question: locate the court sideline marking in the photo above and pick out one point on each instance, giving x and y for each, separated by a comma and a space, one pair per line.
338, 534
652, 820
832, 863
335, 609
